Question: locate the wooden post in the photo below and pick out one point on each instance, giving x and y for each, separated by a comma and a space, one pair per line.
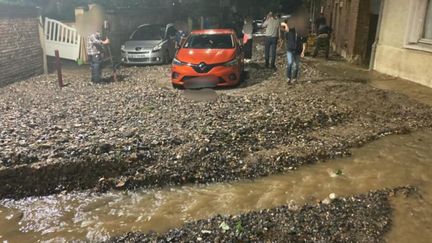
58, 67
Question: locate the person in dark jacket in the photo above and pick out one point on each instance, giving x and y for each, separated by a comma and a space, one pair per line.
323, 40
295, 48
321, 20
180, 38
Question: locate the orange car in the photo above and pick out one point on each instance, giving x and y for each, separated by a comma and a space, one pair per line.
207, 59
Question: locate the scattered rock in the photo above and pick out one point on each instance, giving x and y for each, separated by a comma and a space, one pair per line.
154, 136
327, 201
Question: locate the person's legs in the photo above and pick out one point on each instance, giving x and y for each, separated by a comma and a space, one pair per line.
327, 47
248, 49
96, 69
90, 59
289, 65
101, 66
317, 47
296, 67
273, 51
267, 50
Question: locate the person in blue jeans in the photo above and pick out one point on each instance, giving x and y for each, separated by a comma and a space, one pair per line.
295, 47
94, 52
272, 25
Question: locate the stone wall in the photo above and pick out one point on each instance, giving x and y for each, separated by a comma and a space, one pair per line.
20, 49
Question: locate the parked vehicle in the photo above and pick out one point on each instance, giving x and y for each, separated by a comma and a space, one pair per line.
150, 44
257, 26
208, 58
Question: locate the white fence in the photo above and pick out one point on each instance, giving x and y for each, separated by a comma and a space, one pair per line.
63, 38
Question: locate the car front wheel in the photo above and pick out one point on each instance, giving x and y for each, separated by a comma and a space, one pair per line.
166, 58
177, 86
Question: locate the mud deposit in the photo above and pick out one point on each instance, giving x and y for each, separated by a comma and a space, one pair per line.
141, 133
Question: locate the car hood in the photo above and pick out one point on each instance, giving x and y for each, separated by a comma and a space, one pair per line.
144, 45
209, 56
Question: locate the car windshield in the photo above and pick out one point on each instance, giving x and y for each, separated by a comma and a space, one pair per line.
150, 32
218, 41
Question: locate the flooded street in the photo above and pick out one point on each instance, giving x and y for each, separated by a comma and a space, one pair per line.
215, 121
390, 162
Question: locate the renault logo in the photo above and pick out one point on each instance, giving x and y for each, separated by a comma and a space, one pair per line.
202, 66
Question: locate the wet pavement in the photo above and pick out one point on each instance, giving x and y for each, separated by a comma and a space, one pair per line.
341, 70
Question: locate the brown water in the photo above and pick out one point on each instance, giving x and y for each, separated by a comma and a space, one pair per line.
389, 162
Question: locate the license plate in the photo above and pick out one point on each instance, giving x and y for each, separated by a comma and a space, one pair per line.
136, 56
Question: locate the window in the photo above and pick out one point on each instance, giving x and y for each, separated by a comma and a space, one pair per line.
214, 41
148, 32
419, 28
428, 22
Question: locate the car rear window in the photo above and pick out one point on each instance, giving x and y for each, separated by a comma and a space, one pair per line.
149, 32
213, 41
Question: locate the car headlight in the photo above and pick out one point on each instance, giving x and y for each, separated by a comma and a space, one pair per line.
231, 63
158, 47
177, 62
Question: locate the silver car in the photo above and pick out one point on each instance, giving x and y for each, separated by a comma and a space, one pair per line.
150, 44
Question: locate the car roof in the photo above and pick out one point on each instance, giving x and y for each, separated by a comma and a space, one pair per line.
212, 31
158, 25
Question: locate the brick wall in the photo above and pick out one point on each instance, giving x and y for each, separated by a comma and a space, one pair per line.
20, 48
350, 22
362, 32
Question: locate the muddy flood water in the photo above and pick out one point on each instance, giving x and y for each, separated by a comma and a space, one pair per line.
390, 162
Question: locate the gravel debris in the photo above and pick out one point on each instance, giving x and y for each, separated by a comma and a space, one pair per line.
363, 218
139, 132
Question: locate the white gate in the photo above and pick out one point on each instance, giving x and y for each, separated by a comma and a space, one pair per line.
63, 38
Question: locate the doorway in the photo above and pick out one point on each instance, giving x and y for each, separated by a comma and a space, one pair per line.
375, 7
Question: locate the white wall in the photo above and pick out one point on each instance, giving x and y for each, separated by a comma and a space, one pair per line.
392, 56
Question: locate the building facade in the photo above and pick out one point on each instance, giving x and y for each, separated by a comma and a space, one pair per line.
354, 24
390, 36
404, 44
